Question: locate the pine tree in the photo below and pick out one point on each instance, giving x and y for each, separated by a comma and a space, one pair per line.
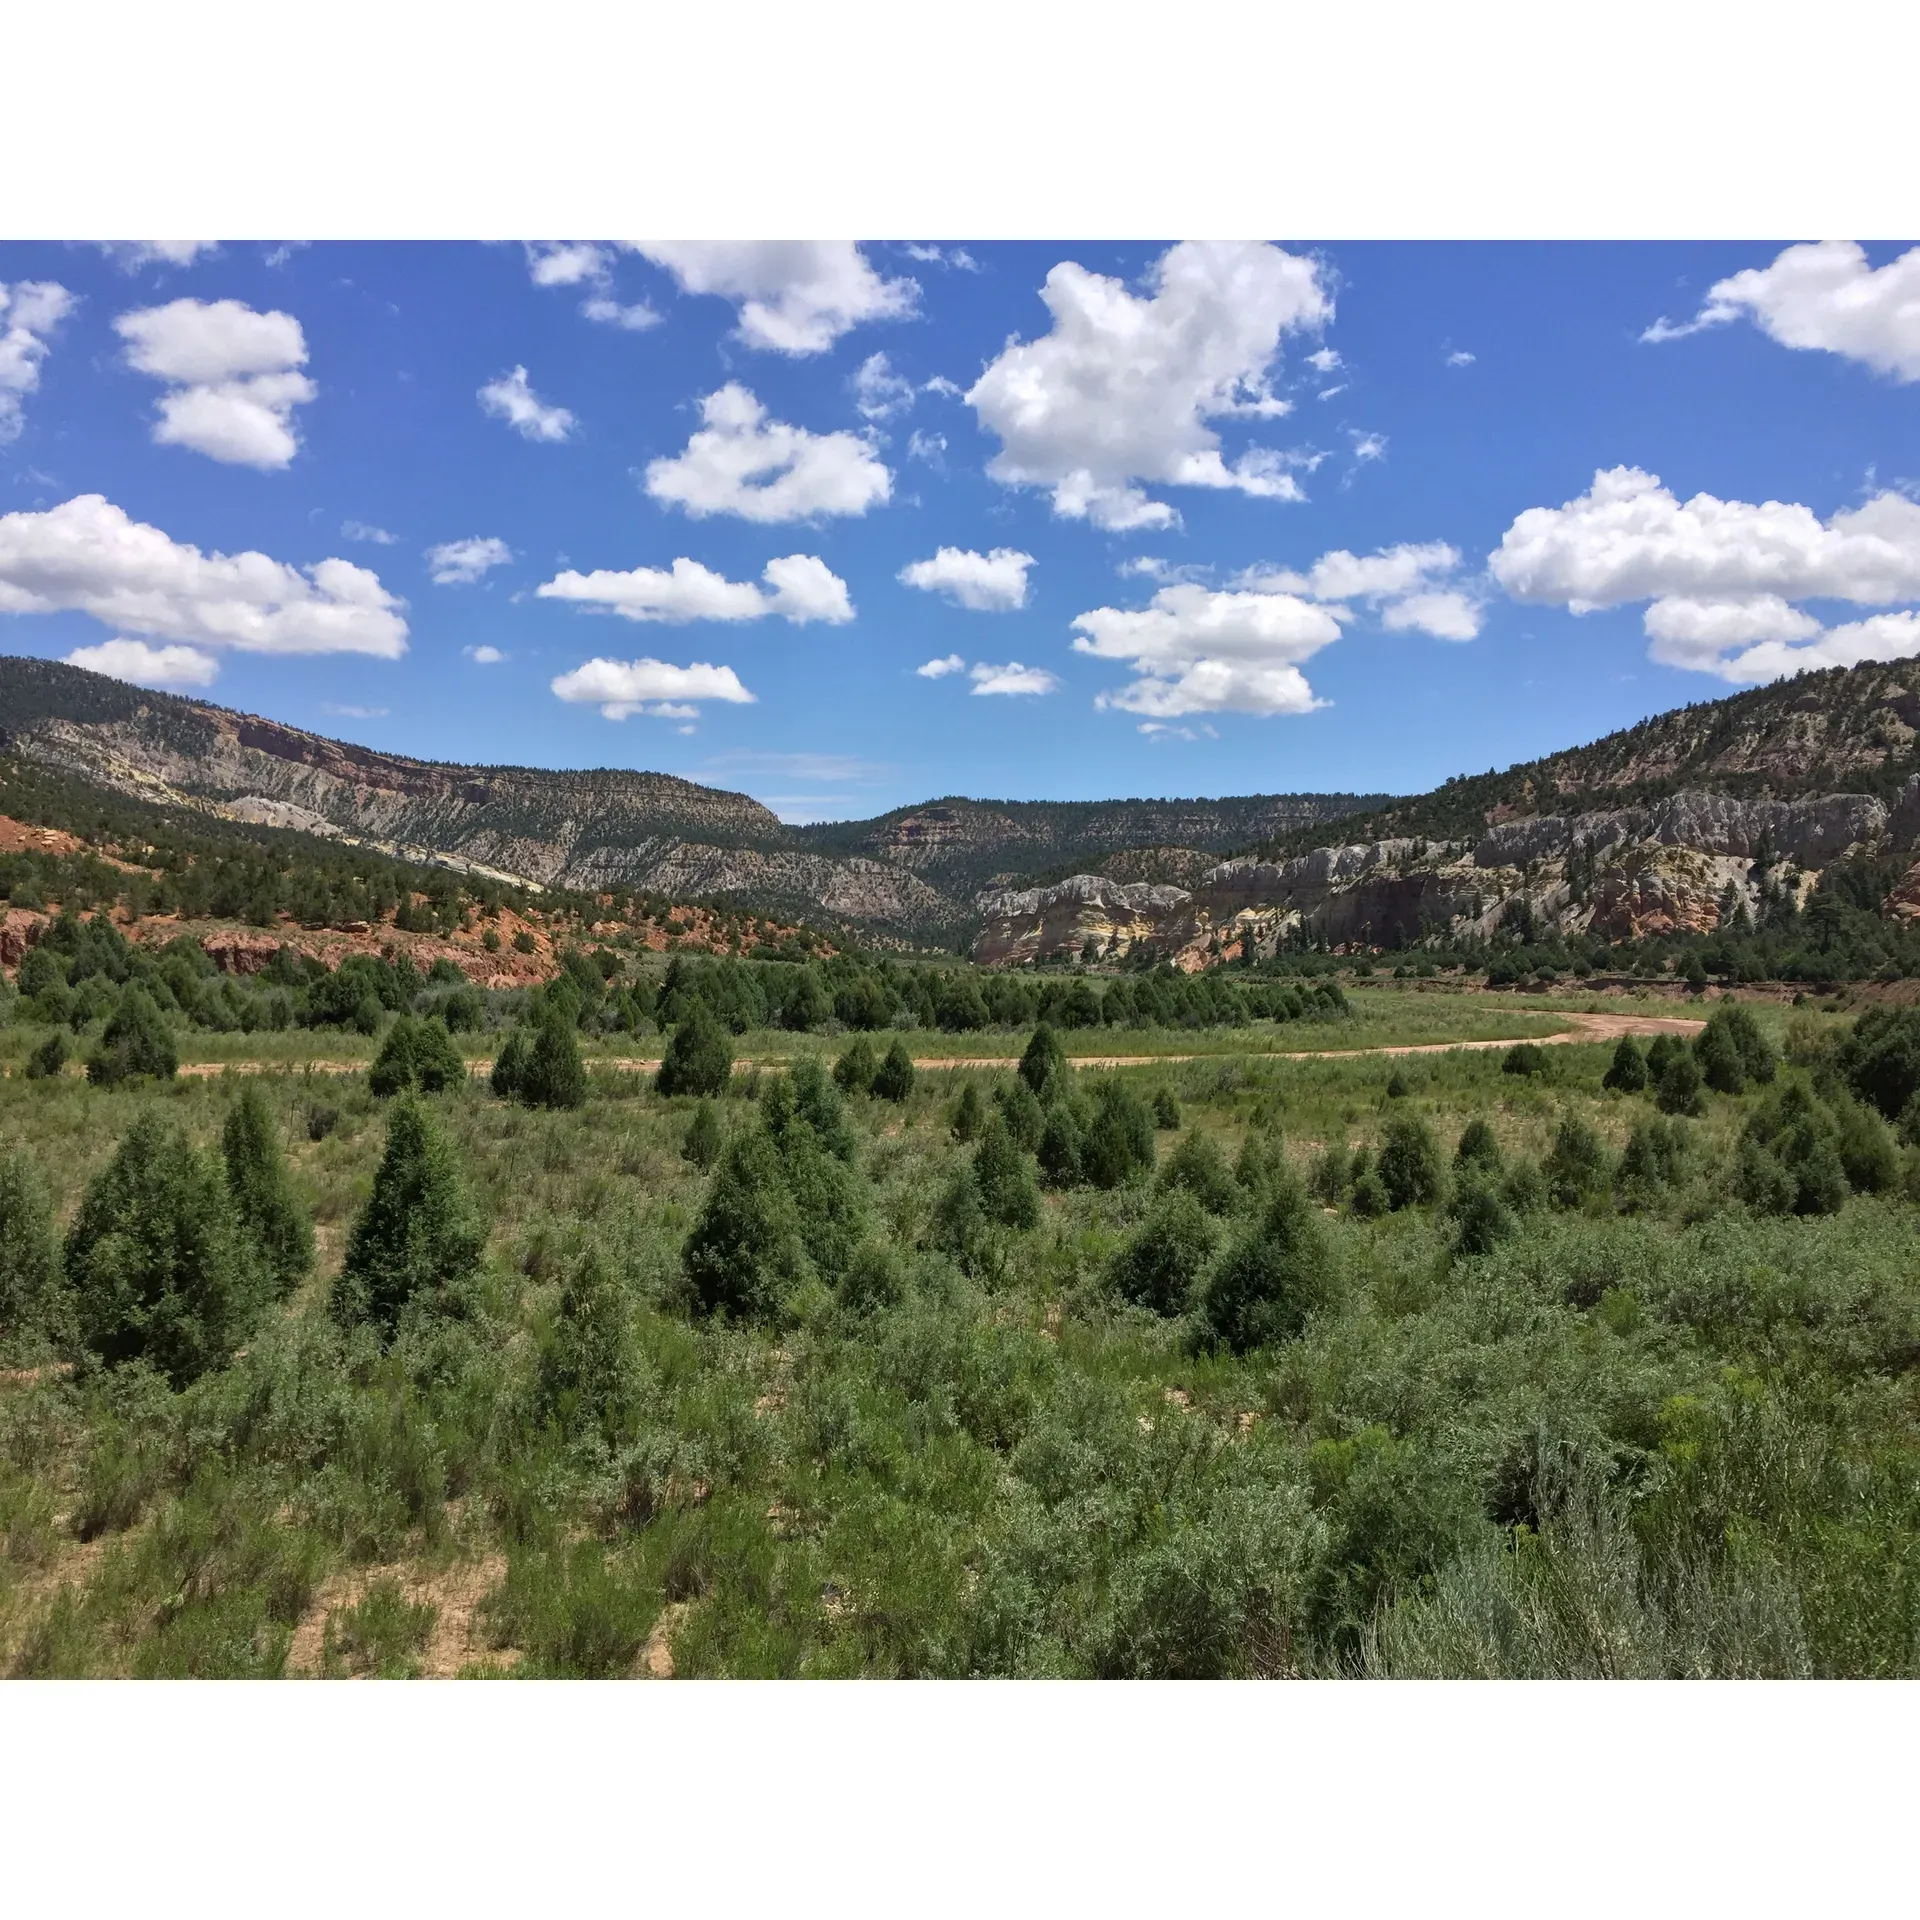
586, 1379
262, 1193
703, 1141
509, 1067
437, 1065
853, 1072
1678, 1088
1166, 1110
1060, 1145
1007, 1191
34, 1309
744, 1251
419, 1234
136, 1041
699, 1056
1197, 1166
1119, 1143
1576, 1169
1481, 1219
1409, 1164
392, 1071
1628, 1073
159, 1267
553, 1075
894, 1078
1043, 1066
1478, 1147
1161, 1263
969, 1114
1264, 1286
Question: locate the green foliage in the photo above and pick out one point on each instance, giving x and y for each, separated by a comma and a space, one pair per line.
1119, 1139
382, 1635
699, 1057
1525, 1059
1653, 1162
33, 1306
509, 1067
158, 1264
893, 1078
50, 1057
1026, 1119
1677, 1088
1576, 1168
419, 1236
416, 1054
1478, 1147
1196, 1166
969, 1114
1160, 1265
587, 1378
1627, 1073
1789, 1157
1398, 1085
1867, 1152
704, 1137
1004, 1176
1061, 1143
854, 1071
1481, 1219
553, 1075
1263, 1287
745, 1249
1043, 1066
1166, 1110
1409, 1167
262, 1191
1332, 1174
136, 1041
1881, 1058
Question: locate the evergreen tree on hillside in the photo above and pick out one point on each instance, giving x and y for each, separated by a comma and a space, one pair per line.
894, 1078
392, 1069
704, 1139
1408, 1165
1264, 1286
699, 1057
1005, 1177
1119, 1143
853, 1072
158, 1264
419, 1234
262, 1191
1628, 1072
509, 1067
136, 1041
553, 1075
588, 1374
1160, 1265
1043, 1066
969, 1114
34, 1309
745, 1249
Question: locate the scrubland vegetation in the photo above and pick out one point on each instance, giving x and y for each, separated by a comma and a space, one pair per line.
1571, 1360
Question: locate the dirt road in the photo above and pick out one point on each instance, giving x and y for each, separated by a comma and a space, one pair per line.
1581, 1028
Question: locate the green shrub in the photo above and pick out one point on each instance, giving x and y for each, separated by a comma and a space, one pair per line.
1043, 1066
1478, 1146
1867, 1152
1119, 1140
1008, 1194
745, 1251
1166, 1110
1881, 1058
136, 1041
969, 1114
1196, 1166
1524, 1059
392, 1069
1332, 1173
33, 1305
854, 1071
1409, 1165
1481, 1219
586, 1379
893, 1078
1025, 1117
1677, 1089
1398, 1085
1060, 1147
704, 1138
159, 1267
1789, 1159
419, 1236
1628, 1071
1160, 1265
1267, 1282
553, 1076
1653, 1161
381, 1635
509, 1067
1576, 1168
263, 1199
699, 1057
50, 1057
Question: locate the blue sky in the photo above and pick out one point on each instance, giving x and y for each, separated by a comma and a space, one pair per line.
1317, 516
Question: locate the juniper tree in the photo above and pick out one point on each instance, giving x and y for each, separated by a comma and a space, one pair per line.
1628, 1071
893, 1080
262, 1192
1007, 1191
1576, 1168
553, 1075
50, 1056
1678, 1088
1119, 1142
1043, 1066
419, 1235
1166, 1110
1524, 1059
136, 1041
703, 1141
1025, 1117
586, 1378
509, 1066
1481, 1219
1478, 1147
1332, 1173
853, 1072
1059, 1152
1264, 1286
745, 1250
1409, 1164
392, 1071
699, 1056
34, 1310
1197, 1166
969, 1114
437, 1063
1161, 1263
159, 1267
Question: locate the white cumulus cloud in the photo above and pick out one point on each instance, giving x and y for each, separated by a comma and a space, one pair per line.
87, 556
233, 377
1407, 585
799, 588
993, 582
792, 296
939, 669
623, 687
148, 666
511, 399
1122, 389
878, 391
588, 264
361, 530
1823, 297
131, 255
459, 563
30, 311
484, 656
1722, 576
1012, 678
1197, 650
740, 462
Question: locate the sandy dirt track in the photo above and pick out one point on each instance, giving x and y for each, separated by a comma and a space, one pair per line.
1581, 1028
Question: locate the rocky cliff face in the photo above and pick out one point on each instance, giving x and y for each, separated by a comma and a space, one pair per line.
1623, 873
